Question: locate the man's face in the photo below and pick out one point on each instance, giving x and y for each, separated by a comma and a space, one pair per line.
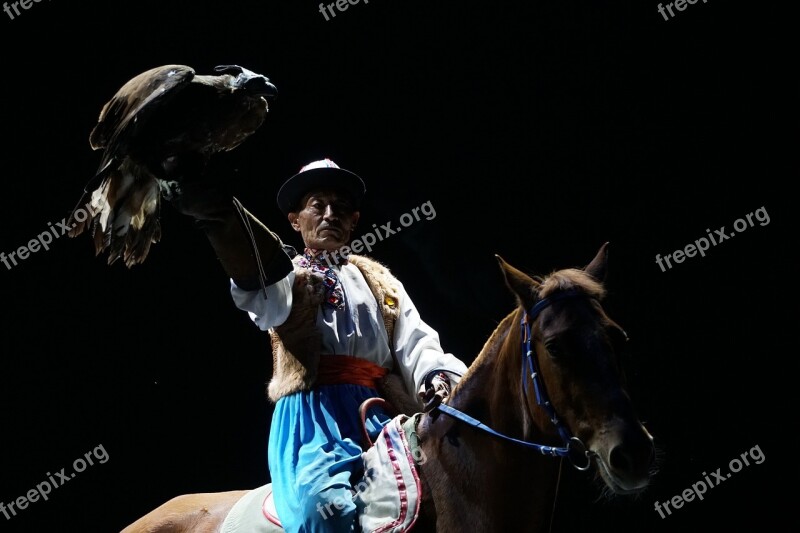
325, 219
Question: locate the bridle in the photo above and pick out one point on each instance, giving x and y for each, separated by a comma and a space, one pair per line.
574, 449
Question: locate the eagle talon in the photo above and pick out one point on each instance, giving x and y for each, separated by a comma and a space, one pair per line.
170, 190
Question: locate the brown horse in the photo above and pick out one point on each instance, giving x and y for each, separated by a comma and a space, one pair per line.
546, 386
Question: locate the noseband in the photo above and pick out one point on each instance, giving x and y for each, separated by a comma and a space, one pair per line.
573, 448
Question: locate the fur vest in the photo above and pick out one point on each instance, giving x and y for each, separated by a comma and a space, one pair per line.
296, 344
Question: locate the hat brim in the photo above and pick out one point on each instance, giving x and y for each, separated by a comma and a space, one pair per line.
328, 178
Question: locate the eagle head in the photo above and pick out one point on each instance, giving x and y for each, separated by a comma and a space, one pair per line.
248, 81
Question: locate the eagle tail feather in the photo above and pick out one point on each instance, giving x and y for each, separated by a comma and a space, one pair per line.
121, 214
136, 224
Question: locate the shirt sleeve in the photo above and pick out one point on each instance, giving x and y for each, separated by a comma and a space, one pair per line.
267, 312
418, 349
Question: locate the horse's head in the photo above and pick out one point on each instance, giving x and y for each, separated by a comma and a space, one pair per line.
574, 350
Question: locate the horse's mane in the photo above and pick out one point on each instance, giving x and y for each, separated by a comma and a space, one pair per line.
571, 278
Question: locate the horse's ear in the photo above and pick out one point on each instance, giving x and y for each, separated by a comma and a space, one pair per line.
597, 268
523, 286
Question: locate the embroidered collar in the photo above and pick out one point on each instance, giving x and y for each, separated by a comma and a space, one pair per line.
318, 261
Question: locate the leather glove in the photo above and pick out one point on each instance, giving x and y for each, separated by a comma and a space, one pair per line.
202, 201
251, 254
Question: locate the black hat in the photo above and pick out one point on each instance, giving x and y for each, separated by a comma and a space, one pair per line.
322, 174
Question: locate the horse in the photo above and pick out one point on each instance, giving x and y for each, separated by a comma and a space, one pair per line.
547, 386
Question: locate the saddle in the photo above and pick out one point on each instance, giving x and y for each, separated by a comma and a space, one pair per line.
387, 498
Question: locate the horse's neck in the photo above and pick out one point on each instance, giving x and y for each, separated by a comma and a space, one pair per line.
477, 478
492, 388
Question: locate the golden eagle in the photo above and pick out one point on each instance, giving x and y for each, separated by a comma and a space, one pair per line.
158, 130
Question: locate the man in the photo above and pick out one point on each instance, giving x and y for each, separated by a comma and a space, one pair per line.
337, 330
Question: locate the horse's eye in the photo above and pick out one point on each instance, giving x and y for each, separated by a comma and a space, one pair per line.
553, 349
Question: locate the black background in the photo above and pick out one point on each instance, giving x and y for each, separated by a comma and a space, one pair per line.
537, 132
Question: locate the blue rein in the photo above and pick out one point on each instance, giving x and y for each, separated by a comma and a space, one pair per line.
573, 446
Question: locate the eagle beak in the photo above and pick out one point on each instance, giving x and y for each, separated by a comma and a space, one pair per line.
259, 85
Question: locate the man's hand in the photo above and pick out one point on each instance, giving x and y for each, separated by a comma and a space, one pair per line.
435, 392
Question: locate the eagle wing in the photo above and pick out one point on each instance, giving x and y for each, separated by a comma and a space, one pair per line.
128, 110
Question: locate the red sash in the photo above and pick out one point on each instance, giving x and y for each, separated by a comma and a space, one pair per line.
340, 369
